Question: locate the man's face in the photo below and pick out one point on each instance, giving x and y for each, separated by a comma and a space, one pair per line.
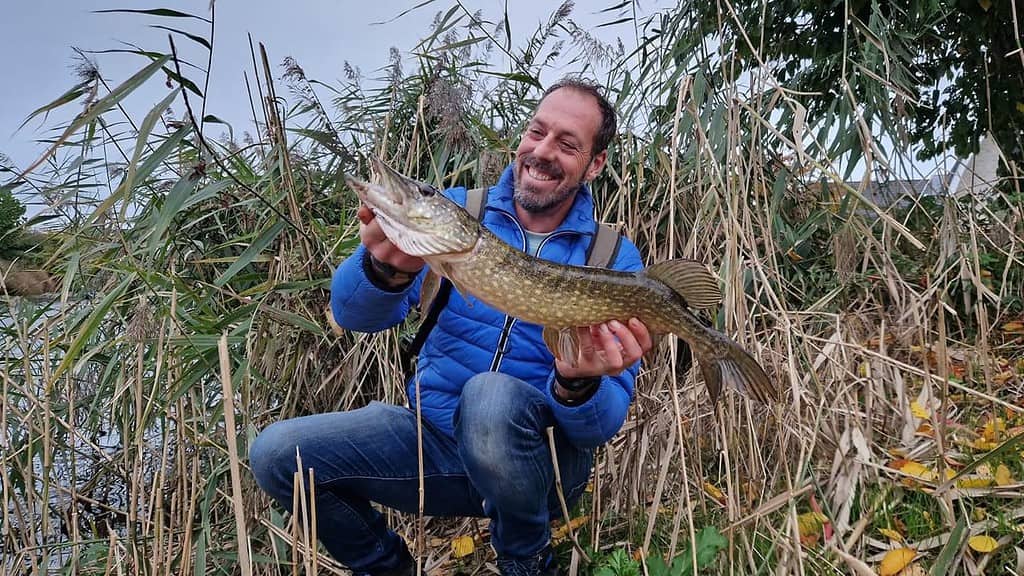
555, 155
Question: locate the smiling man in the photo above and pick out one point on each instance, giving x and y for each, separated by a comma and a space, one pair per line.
488, 387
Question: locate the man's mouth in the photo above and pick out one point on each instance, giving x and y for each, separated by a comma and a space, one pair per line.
540, 170
537, 174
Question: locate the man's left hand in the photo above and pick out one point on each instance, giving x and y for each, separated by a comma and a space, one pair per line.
607, 349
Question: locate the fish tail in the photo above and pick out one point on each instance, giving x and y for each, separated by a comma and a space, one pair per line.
731, 365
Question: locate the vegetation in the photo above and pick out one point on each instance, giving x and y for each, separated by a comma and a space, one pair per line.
191, 313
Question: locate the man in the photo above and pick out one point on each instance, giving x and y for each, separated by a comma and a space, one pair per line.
488, 386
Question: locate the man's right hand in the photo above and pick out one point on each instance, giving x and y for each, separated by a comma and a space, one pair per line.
380, 247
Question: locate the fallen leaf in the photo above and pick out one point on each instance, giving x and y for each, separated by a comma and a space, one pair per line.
915, 469
983, 445
914, 570
896, 560
919, 411
891, 534
715, 492
810, 525
1003, 477
982, 543
975, 481
994, 429
563, 530
1014, 326
463, 546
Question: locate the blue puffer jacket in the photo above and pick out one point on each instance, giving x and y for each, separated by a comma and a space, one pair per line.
471, 337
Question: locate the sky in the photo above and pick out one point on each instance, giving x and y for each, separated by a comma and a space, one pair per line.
320, 34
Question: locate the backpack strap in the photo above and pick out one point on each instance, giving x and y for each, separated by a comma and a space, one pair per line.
604, 247
476, 200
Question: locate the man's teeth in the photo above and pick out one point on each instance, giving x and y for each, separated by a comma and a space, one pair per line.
537, 175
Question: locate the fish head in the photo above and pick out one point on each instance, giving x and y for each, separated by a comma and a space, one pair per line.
415, 216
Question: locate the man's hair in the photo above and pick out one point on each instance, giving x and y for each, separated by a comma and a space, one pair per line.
608, 123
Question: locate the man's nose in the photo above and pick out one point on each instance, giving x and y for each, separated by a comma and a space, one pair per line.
545, 149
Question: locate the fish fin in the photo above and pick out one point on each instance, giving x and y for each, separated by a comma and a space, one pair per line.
443, 270
690, 279
738, 369
651, 356
564, 343
712, 373
428, 289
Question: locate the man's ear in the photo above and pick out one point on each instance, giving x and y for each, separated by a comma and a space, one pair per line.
596, 165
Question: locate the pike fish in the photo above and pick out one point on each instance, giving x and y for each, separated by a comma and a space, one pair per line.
422, 222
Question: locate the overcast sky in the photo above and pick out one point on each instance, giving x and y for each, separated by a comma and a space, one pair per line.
321, 34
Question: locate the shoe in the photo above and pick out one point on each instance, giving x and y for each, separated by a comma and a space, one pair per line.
406, 566
542, 564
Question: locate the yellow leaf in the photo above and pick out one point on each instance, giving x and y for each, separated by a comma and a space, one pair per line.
1020, 107
982, 543
918, 470
914, 570
891, 534
811, 525
975, 481
563, 530
463, 546
1014, 326
919, 411
715, 492
983, 445
993, 429
1003, 477
985, 4
896, 560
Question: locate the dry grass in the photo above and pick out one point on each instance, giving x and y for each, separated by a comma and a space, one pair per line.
192, 313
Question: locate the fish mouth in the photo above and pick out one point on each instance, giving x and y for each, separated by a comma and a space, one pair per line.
390, 191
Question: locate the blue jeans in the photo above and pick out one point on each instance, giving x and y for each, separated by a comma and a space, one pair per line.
498, 465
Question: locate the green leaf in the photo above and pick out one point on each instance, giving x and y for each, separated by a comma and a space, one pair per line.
144, 130
197, 39
948, 553
101, 106
87, 330
71, 95
153, 12
251, 252
152, 161
176, 199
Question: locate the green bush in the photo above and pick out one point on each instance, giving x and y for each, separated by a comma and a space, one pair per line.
11, 211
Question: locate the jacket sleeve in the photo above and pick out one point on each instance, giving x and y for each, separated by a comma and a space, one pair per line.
597, 419
360, 305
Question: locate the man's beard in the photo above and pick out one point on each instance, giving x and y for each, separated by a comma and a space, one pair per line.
536, 202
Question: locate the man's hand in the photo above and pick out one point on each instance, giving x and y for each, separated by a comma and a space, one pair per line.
380, 247
607, 349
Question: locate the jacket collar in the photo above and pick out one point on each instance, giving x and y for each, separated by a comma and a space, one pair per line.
579, 219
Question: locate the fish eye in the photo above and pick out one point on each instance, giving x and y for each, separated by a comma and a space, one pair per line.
427, 190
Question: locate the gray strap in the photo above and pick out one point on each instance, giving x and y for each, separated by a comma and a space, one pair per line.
604, 246
476, 199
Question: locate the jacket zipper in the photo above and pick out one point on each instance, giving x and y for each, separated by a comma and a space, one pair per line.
510, 321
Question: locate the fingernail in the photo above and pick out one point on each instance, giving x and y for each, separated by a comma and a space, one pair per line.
615, 324
604, 329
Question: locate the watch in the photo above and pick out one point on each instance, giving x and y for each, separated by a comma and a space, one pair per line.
389, 273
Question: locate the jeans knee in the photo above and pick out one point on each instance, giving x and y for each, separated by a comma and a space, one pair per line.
272, 457
499, 416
